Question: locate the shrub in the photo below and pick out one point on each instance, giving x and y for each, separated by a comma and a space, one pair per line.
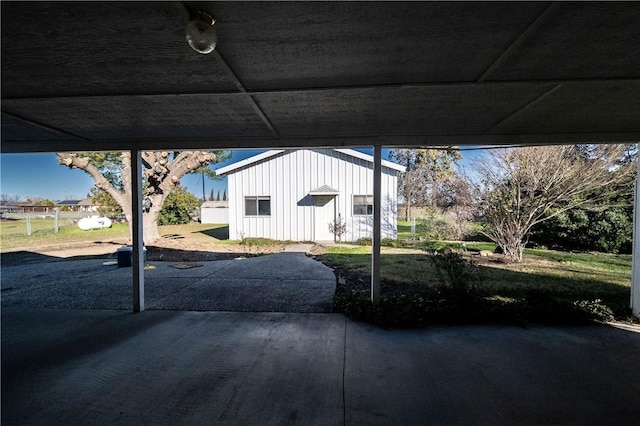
367, 241
432, 306
596, 308
607, 230
406, 310
390, 242
384, 242
456, 272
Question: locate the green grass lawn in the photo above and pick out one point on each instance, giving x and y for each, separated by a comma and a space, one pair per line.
563, 277
13, 233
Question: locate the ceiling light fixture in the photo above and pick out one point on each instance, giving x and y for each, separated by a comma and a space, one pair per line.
201, 34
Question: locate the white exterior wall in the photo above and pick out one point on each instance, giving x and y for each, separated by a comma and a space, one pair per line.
214, 215
289, 177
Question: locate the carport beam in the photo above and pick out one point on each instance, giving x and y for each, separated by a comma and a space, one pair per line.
635, 257
137, 231
375, 250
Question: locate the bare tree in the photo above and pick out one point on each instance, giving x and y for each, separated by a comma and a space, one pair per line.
458, 206
111, 172
521, 187
8, 198
338, 228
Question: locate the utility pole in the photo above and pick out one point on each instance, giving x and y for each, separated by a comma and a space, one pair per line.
203, 193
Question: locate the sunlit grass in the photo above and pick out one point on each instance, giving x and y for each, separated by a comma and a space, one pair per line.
201, 233
13, 233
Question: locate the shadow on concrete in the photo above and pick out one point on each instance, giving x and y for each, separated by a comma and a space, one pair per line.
66, 335
164, 254
24, 257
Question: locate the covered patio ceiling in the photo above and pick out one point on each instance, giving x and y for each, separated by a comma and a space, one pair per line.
120, 75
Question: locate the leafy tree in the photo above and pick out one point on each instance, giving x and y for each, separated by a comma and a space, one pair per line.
178, 207
111, 172
211, 197
224, 195
107, 206
519, 188
427, 170
218, 198
607, 229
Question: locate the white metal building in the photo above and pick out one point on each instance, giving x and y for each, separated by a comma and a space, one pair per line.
214, 212
295, 194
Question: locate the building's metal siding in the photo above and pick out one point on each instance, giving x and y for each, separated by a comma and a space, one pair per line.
288, 177
214, 215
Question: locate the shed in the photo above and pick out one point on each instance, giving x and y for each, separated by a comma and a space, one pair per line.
295, 195
214, 212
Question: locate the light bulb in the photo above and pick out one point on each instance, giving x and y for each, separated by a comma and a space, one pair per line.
201, 34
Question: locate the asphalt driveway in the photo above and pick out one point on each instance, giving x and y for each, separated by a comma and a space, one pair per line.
284, 282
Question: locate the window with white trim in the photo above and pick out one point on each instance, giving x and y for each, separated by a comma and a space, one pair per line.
257, 206
362, 205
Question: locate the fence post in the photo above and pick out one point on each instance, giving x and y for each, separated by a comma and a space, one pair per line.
28, 224
56, 223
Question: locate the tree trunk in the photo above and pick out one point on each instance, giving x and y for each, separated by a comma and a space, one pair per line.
513, 249
150, 219
150, 226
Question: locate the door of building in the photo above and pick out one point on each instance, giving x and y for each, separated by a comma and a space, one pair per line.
325, 213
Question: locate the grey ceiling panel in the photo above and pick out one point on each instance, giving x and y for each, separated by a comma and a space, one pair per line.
140, 117
275, 45
409, 110
597, 107
120, 74
102, 48
578, 40
17, 129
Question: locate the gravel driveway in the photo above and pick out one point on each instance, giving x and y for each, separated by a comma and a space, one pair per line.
282, 282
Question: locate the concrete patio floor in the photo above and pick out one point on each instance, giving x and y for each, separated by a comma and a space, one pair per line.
84, 366
73, 353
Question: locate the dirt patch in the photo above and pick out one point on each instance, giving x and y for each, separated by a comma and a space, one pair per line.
187, 249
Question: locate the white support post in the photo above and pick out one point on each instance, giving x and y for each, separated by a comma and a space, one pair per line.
635, 257
137, 234
377, 203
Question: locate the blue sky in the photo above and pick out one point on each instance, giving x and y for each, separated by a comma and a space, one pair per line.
40, 175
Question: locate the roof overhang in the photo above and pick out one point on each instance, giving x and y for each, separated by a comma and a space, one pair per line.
80, 76
324, 190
